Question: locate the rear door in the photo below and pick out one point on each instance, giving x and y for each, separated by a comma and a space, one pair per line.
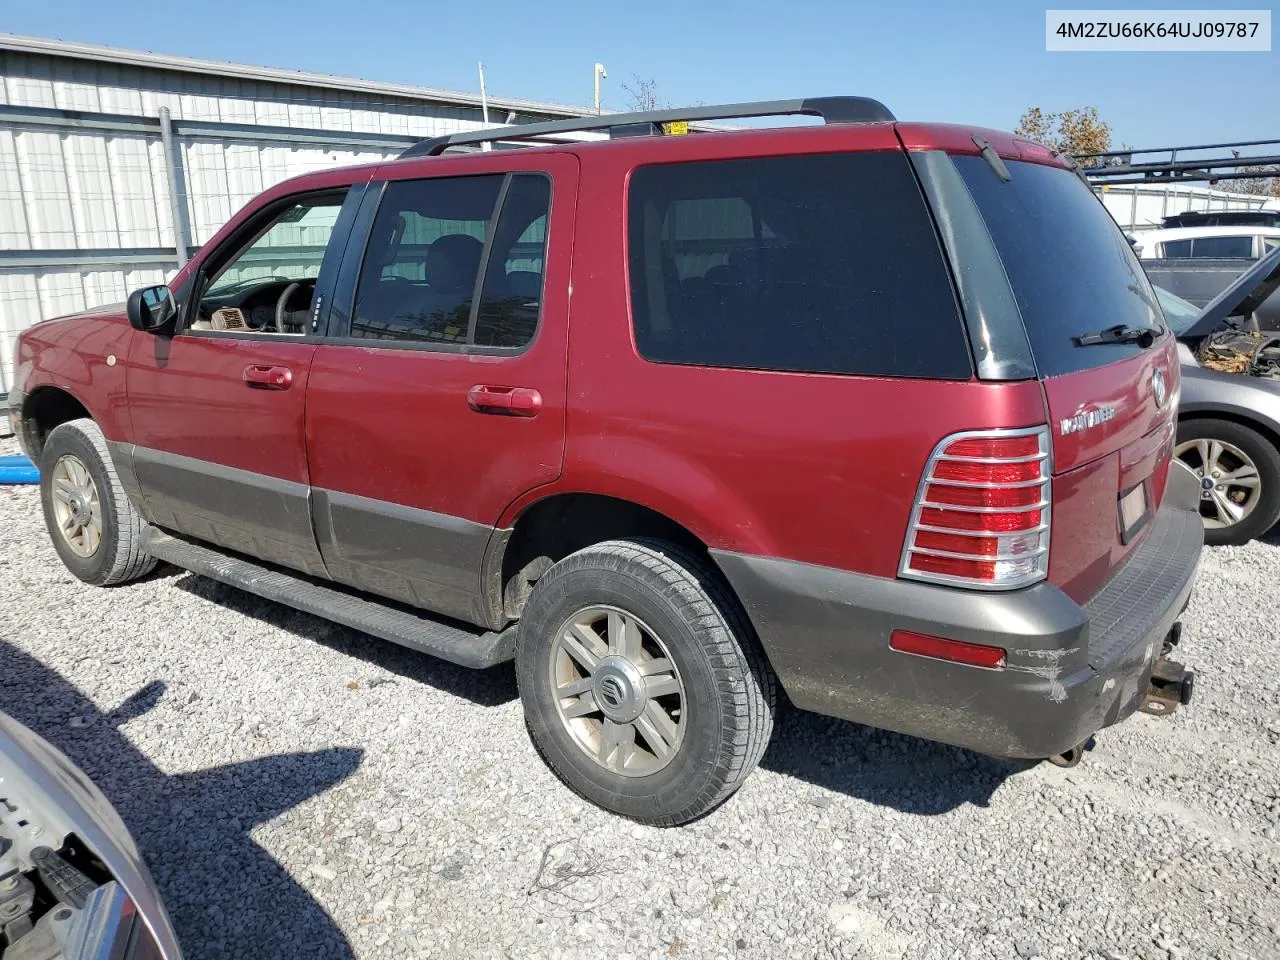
217, 409
439, 397
1111, 405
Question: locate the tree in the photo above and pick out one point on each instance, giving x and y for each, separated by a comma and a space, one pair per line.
1079, 132
642, 94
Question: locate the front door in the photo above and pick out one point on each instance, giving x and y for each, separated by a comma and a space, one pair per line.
440, 396
218, 409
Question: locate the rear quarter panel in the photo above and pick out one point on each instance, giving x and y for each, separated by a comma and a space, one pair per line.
817, 468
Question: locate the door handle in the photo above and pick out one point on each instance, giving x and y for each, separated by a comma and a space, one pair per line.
505, 401
266, 377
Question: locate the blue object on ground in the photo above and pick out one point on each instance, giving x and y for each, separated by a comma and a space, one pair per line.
18, 469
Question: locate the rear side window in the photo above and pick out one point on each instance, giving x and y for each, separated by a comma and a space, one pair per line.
825, 263
434, 241
1209, 248
1071, 269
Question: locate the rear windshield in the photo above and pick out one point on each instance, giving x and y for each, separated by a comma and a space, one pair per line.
826, 263
1071, 269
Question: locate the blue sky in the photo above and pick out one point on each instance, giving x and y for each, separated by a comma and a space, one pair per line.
978, 62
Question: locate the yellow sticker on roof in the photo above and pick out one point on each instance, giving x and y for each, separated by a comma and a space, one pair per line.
676, 128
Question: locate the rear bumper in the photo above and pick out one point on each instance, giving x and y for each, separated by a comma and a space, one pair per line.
1070, 669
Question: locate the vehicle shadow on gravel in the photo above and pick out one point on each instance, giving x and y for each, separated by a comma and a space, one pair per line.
487, 688
888, 769
226, 895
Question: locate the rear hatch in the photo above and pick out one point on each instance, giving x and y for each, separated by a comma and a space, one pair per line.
1073, 276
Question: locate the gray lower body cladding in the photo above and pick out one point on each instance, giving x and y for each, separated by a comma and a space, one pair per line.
1070, 670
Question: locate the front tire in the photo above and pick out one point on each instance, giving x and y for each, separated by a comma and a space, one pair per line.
93, 526
1242, 500
644, 687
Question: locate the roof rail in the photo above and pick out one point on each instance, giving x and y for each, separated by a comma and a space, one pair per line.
830, 109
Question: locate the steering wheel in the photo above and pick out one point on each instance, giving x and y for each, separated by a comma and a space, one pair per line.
282, 302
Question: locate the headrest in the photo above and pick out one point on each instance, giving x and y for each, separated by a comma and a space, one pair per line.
452, 263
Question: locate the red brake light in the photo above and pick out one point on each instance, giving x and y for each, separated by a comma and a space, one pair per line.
984, 496
982, 512
1001, 448
980, 522
964, 471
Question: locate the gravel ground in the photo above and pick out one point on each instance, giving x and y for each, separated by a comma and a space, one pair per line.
301, 790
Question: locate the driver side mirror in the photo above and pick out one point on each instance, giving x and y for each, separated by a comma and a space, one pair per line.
152, 309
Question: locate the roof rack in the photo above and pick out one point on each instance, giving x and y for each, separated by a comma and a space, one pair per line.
1118, 167
647, 123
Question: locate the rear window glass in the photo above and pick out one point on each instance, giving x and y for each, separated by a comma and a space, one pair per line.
1208, 248
823, 263
1071, 269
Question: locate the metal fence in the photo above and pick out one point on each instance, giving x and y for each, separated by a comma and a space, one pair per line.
93, 205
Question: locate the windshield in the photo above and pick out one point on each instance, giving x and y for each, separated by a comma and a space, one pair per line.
1070, 267
1179, 314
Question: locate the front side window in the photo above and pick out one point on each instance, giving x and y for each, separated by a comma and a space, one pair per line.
824, 263
266, 286
426, 259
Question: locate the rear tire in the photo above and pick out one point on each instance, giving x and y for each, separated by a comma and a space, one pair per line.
1230, 449
92, 524
700, 684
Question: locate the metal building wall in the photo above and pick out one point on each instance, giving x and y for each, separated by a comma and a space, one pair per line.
1138, 207
85, 211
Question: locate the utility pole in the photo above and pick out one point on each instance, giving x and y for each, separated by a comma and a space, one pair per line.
484, 106
601, 74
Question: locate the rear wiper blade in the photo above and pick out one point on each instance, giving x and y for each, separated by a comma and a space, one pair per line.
1142, 336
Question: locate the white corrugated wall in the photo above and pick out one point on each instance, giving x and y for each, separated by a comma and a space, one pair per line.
1138, 207
102, 191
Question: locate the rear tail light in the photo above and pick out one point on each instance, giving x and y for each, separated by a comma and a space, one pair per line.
981, 516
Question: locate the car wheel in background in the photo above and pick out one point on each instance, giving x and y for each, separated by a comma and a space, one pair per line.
644, 687
92, 524
1239, 473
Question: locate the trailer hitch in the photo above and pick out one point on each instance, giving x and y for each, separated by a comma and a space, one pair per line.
1172, 686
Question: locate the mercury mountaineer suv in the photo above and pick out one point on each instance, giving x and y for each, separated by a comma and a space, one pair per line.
882, 412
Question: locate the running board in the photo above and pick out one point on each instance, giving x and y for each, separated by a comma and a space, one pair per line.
458, 645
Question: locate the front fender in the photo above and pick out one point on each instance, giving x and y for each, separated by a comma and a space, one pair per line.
85, 357
1240, 397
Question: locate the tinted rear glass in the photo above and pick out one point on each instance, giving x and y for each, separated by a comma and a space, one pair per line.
1071, 269
826, 263
1208, 248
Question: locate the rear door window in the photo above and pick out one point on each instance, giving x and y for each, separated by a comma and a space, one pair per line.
1210, 248
436, 243
825, 263
1070, 267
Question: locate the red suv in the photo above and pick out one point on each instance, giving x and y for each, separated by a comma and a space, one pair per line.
883, 410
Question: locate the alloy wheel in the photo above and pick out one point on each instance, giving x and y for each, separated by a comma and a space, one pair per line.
77, 509
1230, 486
617, 691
